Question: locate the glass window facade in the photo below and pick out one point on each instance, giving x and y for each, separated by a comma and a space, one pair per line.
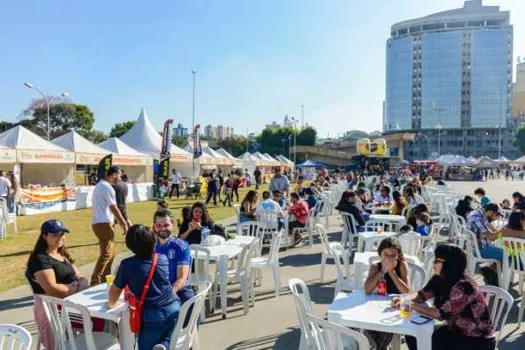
441, 80
398, 108
489, 72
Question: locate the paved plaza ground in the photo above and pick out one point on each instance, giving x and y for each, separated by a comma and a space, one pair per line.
271, 323
497, 190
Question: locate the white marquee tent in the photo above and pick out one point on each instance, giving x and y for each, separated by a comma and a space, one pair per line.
138, 166
41, 162
236, 163
86, 152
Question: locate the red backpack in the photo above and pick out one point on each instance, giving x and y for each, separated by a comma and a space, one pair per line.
135, 304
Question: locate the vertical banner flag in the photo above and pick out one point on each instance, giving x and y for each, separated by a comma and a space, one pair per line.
164, 169
167, 133
155, 171
197, 149
103, 166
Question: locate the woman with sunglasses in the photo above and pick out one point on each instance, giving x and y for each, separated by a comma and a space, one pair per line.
50, 271
458, 301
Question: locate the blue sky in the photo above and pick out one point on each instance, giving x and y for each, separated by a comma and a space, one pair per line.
256, 60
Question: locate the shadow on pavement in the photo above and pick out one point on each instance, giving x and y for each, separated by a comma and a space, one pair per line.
288, 340
10, 304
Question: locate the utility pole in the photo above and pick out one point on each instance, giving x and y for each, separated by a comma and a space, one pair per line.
302, 116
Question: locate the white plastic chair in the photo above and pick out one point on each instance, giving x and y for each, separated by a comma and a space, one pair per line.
417, 276
13, 337
413, 244
331, 250
271, 261
511, 264
303, 305
350, 233
201, 272
428, 264
252, 229
237, 208
268, 223
375, 224
326, 335
9, 217
186, 337
65, 338
242, 274
501, 302
474, 256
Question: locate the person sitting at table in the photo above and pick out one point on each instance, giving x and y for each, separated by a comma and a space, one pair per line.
516, 226
311, 199
384, 195
418, 209
393, 271
299, 211
519, 201
269, 205
481, 197
411, 196
249, 207
50, 271
505, 204
406, 229
191, 227
464, 207
161, 305
422, 222
278, 197
361, 194
347, 204
300, 189
399, 203
458, 301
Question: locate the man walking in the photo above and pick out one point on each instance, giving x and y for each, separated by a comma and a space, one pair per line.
5, 185
257, 176
175, 182
121, 195
104, 212
279, 182
212, 188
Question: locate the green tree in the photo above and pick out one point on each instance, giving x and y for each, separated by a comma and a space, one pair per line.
4, 126
307, 136
235, 145
63, 117
275, 141
95, 136
519, 140
120, 129
179, 141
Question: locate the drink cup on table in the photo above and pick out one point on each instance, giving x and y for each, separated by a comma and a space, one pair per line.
404, 306
109, 280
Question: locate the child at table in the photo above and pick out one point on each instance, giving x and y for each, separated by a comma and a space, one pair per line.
392, 270
422, 222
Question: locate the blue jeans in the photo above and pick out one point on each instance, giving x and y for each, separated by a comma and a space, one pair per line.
243, 218
157, 326
184, 295
491, 252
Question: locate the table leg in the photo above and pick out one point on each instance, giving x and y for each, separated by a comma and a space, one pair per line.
126, 338
396, 342
424, 338
359, 244
358, 274
223, 282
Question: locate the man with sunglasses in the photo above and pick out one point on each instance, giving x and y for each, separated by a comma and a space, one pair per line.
176, 250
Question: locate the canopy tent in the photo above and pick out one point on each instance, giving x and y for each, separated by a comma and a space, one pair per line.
144, 138
451, 160
138, 166
236, 163
520, 160
41, 162
86, 152
272, 159
262, 160
285, 160
205, 161
310, 164
485, 162
472, 159
222, 161
503, 160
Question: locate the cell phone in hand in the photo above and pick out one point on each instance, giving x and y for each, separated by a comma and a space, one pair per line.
420, 319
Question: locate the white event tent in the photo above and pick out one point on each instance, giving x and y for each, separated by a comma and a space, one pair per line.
287, 162
86, 152
222, 161
236, 163
138, 166
41, 162
205, 161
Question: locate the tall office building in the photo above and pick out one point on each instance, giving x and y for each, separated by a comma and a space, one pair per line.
449, 80
180, 131
518, 106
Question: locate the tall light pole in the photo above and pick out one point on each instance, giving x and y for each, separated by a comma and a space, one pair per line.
302, 116
500, 118
294, 140
48, 102
439, 127
193, 72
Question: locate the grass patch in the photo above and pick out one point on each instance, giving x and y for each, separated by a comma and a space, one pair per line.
81, 242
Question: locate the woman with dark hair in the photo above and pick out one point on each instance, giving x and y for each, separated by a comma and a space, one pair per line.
464, 207
418, 209
392, 270
347, 204
519, 201
161, 305
399, 203
191, 227
458, 301
516, 226
249, 206
50, 271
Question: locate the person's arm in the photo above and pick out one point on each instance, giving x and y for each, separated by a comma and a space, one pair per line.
118, 215
191, 226
357, 216
114, 295
183, 272
47, 280
83, 281
374, 275
401, 281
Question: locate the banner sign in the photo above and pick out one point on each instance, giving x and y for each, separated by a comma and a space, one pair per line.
156, 171
41, 156
167, 133
164, 169
103, 166
7, 155
44, 195
197, 149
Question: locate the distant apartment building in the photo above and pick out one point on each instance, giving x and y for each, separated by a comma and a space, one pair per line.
180, 131
218, 132
518, 104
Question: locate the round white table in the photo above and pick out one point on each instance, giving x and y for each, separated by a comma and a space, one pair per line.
373, 312
396, 220
366, 239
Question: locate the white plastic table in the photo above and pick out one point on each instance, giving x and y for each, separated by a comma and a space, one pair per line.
362, 264
221, 254
363, 237
373, 312
396, 220
380, 209
95, 299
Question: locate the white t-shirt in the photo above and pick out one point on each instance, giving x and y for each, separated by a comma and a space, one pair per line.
175, 178
5, 185
268, 205
103, 198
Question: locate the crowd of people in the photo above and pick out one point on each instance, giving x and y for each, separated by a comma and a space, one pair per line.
165, 248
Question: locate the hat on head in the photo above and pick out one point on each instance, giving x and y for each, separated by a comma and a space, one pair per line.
53, 226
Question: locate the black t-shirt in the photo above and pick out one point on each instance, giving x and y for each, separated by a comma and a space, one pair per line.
121, 193
194, 237
64, 271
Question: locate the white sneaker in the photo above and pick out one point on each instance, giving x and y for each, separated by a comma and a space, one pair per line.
159, 347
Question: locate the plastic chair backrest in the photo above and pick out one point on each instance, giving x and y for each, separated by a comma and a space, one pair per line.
501, 302
201, 263
184, 332
417, 276
303, 305
428, 262
326, 335
269, 220
321, 231
413, 243
238, 213
472, 244
13, 337
61, 323
385, 225
273, 254
248, 252
349, 224
513, 248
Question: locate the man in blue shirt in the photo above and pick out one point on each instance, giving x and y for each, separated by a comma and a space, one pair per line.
176, 250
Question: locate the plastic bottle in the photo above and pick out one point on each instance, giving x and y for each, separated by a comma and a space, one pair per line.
205, 231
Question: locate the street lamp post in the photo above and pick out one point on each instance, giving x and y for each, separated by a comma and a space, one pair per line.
439, 127
48, 102
294, 140
193, 72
